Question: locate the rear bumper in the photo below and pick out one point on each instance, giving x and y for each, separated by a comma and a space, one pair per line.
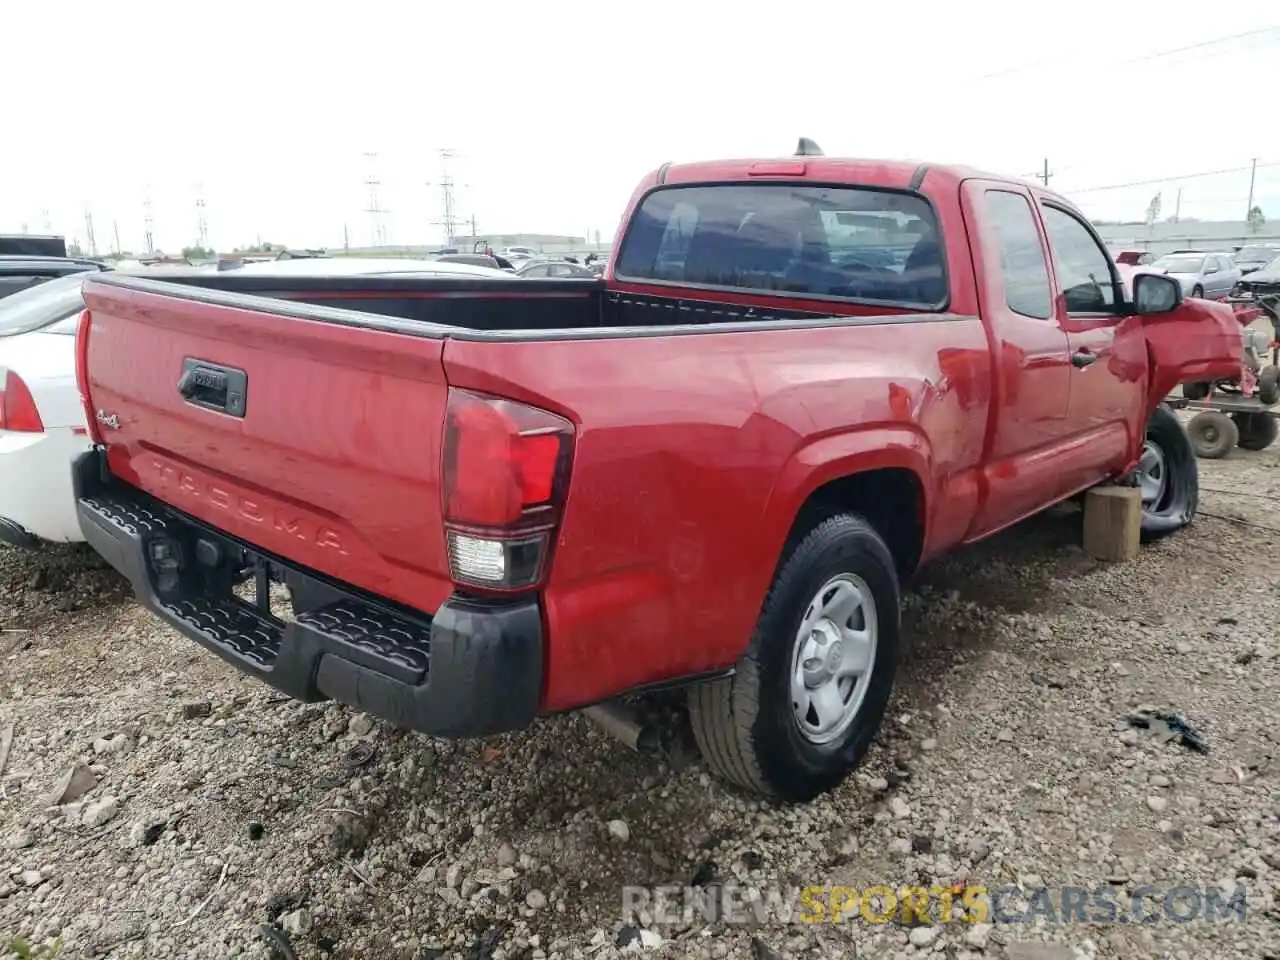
472, 669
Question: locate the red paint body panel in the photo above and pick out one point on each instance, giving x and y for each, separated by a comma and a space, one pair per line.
694, 451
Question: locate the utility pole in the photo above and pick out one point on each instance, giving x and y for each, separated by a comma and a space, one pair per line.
449, 218
44, 219
374, 209
115, 227
1177, 207
1044, 177
1253, 172
88, 229
346, 238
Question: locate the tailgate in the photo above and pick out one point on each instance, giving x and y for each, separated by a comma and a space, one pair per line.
311, 433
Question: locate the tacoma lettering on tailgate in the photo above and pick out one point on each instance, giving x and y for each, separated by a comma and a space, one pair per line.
181, 486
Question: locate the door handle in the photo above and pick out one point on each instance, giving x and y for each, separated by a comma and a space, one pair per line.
1082, 358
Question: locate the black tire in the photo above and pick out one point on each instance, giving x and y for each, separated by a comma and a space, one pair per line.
1257, 430
1196, 391
1213, 434
1197, 291
1176, 507
745, 725
1269, 385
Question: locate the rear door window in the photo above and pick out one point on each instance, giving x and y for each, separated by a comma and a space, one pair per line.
843, 243
1022, 263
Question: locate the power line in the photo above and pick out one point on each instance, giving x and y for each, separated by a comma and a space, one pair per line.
1022, 68
1184, 176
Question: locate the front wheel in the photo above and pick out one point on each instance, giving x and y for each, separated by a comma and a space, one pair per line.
809, 694
1168, 476
1197, 291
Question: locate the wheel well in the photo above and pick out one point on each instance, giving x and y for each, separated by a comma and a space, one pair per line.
890, 499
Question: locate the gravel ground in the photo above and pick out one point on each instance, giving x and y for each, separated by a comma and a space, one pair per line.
211, 807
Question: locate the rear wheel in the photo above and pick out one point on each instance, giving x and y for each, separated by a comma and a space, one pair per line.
1167, 475
809, 693
1213, 434
1269, 385
1197, 291
1196, 391
1257, 430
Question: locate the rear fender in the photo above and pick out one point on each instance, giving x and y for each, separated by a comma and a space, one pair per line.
1201, 340
833, 457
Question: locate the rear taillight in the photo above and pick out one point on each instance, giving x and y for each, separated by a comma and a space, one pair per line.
17, 407
82, 370
504, 478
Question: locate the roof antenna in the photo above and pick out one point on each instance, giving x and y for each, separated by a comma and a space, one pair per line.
807, 148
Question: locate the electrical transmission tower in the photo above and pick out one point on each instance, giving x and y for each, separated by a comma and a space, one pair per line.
375, 209
450, 218
147, 236
202, 225
45, 221
88, 230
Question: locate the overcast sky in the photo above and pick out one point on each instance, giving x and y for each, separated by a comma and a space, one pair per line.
268, 109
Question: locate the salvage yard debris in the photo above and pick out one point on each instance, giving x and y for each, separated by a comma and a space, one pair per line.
1166, 725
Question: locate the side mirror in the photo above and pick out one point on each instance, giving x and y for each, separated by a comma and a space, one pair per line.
1156, 293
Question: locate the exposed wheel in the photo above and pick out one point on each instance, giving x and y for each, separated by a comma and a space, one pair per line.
1269, 385
1213, 434
809, 693
1196, 391
1197, 291
1168, 476
1257, 430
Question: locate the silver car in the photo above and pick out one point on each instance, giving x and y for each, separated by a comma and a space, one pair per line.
1208, 275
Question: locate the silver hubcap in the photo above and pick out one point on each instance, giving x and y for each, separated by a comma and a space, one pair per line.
1153, 475
835, 650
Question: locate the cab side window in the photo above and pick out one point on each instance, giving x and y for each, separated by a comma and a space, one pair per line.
1022, 266
1084, 268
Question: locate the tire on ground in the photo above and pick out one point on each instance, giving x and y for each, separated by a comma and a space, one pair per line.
745, 725
1257, 430
1269, 385
1177, 506
1213, 434
1196, 391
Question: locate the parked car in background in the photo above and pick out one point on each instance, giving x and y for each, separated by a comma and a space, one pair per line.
1263, 281
20, 271
519, 253
494, 262
42, 424
1209, 275
1255, 256
561, 269
1134, 258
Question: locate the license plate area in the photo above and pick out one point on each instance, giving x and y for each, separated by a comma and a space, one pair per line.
262, 587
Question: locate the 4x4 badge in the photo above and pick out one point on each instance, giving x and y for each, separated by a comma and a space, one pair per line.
111, 422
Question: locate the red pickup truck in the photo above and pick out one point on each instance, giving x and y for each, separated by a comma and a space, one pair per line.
493, 499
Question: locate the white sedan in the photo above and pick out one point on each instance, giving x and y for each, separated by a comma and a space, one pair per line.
42, 425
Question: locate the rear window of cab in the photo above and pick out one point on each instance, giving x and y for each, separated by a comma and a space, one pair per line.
822, 242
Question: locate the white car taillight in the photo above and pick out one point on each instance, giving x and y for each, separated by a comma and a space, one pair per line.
18, 410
